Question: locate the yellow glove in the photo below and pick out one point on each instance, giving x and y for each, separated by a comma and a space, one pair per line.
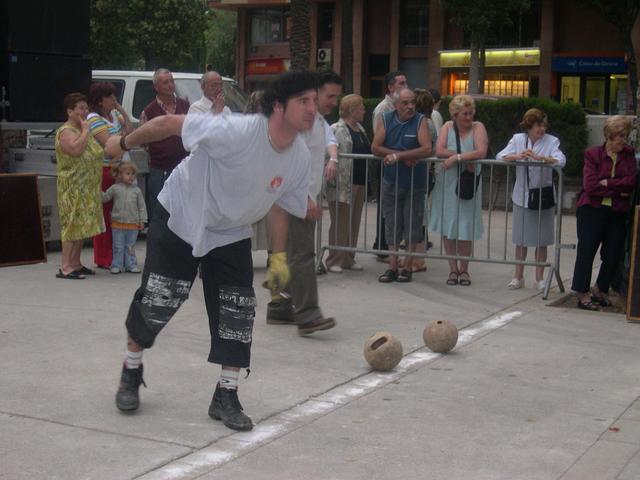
278, 274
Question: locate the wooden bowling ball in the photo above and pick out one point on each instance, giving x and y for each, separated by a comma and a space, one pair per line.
440, 336
383, 351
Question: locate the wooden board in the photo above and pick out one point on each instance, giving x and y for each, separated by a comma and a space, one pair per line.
633, 293
21, 234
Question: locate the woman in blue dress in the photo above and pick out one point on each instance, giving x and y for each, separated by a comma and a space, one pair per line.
458, 221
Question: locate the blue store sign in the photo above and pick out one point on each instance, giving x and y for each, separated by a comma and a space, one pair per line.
589, 65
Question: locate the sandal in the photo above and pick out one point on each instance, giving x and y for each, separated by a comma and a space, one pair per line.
587, 306
388, 276
70, 276
465, 280
85, 271
453, 278
404, 276
603, 301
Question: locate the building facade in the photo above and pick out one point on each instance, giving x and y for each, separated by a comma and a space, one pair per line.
555, 49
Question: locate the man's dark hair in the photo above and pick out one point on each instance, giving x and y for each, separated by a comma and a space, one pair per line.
435, 94
287, 85
328, 76
390, 78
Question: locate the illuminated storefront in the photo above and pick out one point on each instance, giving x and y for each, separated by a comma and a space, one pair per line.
599, 84
509, 72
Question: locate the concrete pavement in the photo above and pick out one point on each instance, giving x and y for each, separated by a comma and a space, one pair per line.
530, 392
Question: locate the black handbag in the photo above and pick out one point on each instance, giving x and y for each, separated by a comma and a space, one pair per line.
465, 189
540, 198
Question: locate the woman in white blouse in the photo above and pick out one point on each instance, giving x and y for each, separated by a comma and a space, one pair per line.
532, 227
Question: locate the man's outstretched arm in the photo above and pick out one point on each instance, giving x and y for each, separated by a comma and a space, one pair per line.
156, 129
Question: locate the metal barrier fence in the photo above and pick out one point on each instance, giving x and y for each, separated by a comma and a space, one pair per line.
498, 181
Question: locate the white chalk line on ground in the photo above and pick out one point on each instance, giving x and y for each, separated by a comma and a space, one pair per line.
237, 444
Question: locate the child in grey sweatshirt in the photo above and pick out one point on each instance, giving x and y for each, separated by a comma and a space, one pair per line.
128, 216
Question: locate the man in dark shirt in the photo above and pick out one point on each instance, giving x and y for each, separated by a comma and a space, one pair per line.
164, 155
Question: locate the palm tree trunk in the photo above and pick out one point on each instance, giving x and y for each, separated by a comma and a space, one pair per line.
300, 41
474, 65
481, 67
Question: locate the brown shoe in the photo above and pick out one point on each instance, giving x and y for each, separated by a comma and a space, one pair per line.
316, 325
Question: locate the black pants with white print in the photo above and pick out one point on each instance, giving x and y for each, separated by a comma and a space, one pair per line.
169, 272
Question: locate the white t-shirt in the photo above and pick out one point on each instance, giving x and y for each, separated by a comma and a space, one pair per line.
386, 105
231, 180
318, 139
436, 118
204, 105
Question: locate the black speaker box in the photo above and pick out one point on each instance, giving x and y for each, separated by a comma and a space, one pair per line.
36, 84
21, 237
44, 26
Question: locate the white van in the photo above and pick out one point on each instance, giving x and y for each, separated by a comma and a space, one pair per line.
134, 89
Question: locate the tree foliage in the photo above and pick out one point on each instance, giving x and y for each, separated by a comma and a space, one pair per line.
148, 34
622, 14
220, 41
478, 19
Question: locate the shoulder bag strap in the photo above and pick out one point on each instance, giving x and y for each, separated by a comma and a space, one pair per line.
455, 129
458, 148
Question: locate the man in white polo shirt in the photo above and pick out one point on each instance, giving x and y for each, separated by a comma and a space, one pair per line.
243, 168
212, 100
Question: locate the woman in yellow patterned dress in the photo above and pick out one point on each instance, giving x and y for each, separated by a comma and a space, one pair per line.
79, 168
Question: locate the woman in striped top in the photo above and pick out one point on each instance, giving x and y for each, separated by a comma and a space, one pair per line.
107, 118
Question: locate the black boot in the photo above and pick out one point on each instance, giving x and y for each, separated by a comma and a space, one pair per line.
225, 406
127, 399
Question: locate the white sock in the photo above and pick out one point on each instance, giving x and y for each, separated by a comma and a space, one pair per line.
229, 378
134, 359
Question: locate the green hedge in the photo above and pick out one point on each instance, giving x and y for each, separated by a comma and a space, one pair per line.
502, 119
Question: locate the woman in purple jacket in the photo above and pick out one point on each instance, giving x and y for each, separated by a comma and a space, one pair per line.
609, 177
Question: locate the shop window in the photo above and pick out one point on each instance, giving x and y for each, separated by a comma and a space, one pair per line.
325, 22
270, 25
414, 23
378, 68
378, 65
594, 94
570, 90
500, 86
618, 96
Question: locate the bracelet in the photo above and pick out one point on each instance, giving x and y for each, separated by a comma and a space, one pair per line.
333, 159
459, 157
395, 157
123, 145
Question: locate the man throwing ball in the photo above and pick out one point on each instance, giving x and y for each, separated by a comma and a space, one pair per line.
244, 167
